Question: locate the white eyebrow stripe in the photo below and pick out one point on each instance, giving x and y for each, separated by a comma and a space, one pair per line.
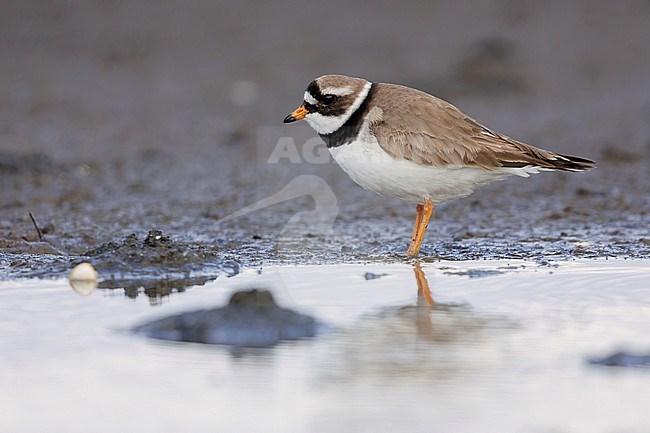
338, 91
310, 99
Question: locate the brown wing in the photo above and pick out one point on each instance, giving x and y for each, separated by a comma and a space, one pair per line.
416, 126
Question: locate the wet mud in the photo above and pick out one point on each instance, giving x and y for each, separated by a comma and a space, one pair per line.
154, 266
133, 256
108, 133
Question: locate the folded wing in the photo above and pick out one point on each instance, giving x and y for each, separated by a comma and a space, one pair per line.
418, 127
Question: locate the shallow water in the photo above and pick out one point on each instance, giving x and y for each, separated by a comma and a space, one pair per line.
504, 349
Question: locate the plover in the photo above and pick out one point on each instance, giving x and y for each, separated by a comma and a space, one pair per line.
404, 143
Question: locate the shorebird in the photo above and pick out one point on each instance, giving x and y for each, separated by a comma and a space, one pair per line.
404, 143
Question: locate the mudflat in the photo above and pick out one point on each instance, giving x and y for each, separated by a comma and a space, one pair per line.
118, 118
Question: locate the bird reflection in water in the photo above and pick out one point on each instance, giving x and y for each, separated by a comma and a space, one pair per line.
423, 340
431, 320
425, 303
425, 298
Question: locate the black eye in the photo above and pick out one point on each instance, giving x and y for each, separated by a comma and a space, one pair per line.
328, 99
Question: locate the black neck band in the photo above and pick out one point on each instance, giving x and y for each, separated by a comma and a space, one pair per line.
350, 130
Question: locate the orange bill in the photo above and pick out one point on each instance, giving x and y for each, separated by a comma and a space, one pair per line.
298, 114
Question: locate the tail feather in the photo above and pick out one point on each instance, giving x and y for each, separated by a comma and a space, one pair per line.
571, 163
546, 160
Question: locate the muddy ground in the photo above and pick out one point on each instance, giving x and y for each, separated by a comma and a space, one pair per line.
117, 118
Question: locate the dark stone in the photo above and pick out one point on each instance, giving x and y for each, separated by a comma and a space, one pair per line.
251, 319
623, 359
371, 276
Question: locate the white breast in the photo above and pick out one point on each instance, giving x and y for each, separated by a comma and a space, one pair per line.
372, 168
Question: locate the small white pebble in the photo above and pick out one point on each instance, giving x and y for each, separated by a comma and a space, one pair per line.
83, 287
84, 272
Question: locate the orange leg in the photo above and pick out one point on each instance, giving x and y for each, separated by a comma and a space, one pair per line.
424, 212
418, 219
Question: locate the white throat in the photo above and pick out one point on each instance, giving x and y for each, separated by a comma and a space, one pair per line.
328, 124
